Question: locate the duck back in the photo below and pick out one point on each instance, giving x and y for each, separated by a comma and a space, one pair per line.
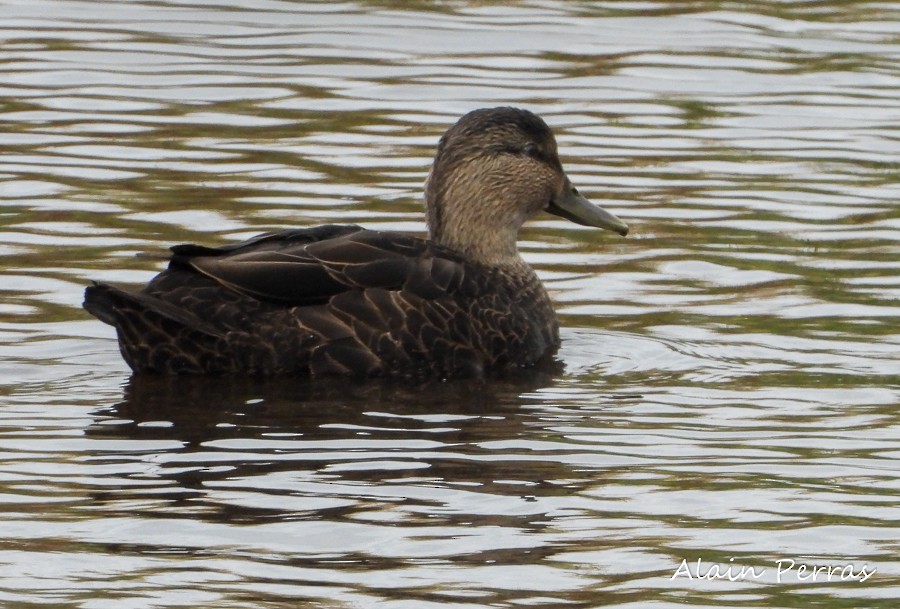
330, 300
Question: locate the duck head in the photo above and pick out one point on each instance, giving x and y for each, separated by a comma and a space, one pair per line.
494, 169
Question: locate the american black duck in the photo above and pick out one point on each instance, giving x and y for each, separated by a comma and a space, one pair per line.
345, 300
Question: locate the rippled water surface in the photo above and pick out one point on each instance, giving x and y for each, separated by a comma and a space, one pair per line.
729, 386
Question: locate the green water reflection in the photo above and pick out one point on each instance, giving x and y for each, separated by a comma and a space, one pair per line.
729, 374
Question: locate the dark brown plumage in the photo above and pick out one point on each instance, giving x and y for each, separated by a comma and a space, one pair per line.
346, 300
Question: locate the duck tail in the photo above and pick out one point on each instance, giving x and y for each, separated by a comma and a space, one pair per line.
100, 300
153, 333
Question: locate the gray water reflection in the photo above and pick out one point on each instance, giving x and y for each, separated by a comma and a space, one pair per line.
729, 374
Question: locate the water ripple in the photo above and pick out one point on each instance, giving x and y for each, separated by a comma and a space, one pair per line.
729, 374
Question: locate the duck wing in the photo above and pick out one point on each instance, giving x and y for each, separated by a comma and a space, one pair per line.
328, 300
310, 266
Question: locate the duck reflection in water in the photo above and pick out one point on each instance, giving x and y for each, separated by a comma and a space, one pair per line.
324, 437
343, 300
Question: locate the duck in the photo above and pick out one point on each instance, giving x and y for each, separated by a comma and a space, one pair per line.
345, 300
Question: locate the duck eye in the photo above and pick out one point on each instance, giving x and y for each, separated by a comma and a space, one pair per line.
531, 149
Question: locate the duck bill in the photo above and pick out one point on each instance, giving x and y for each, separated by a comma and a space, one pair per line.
569, 204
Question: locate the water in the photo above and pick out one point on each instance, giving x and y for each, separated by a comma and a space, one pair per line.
730, 380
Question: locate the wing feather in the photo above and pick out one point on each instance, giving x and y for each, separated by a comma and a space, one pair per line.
312, 266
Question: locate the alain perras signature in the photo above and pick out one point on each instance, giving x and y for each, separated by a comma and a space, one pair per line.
784, 568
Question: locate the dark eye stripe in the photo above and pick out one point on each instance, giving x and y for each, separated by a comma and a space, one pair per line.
530, 150
536, 153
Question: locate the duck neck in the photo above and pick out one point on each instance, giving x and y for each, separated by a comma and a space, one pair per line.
488, 247
485, 232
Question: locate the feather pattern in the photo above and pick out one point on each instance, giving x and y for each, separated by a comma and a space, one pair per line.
357, 302
340, 299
